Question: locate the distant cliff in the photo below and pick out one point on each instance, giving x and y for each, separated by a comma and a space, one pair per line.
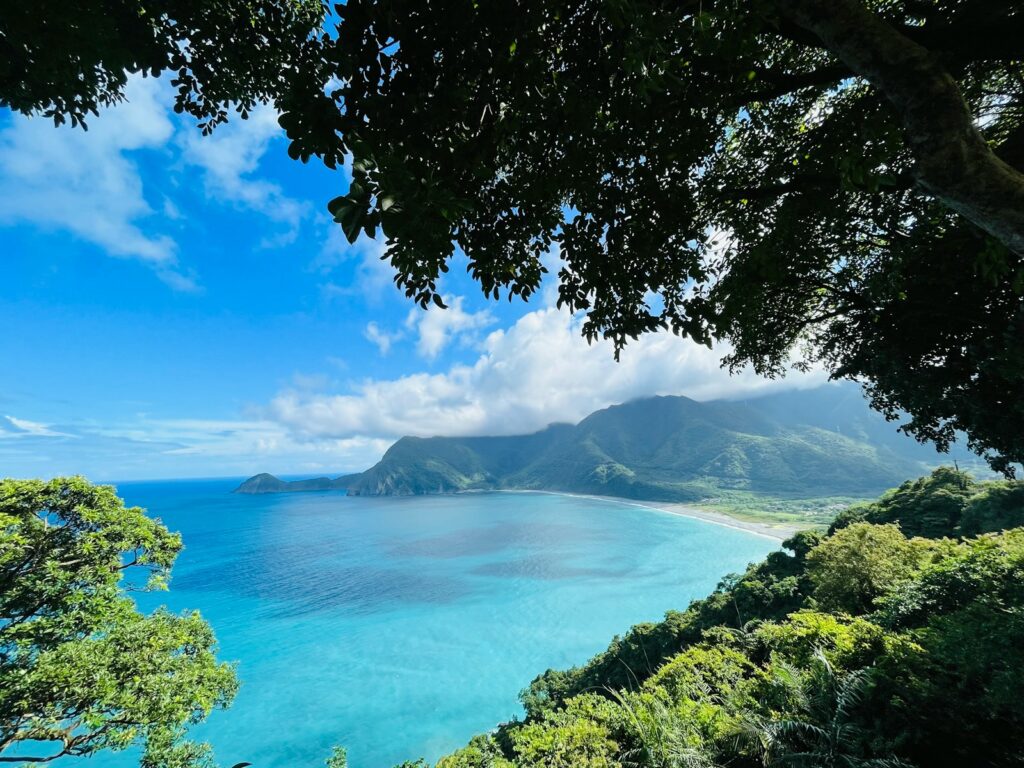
819, 443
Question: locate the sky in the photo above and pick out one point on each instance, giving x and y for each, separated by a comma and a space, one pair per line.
174, 305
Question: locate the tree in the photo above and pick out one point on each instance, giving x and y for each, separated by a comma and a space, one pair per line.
66, 63
999, 506
858, 564
564, 741
81, 669
838, 178
338, 758
954, 697
930, 506
945, 503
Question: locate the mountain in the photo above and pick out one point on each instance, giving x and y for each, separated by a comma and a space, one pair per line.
821, 442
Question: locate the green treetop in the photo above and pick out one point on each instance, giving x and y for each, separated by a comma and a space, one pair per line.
81, 669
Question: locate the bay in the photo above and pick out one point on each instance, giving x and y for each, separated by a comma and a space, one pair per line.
400, 627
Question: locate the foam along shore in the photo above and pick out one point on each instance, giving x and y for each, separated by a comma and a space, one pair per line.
776, 531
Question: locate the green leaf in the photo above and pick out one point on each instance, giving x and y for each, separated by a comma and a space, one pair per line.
349, 213
335, 204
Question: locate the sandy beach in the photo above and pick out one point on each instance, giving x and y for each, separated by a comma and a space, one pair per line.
777, 531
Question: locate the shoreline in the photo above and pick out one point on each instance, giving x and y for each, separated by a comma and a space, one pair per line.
775, 531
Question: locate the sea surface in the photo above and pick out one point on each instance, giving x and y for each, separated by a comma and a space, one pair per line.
400, 627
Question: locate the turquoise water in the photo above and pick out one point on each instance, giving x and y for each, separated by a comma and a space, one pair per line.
400, 627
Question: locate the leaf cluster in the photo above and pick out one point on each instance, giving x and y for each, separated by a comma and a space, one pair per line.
66, 63
81, 669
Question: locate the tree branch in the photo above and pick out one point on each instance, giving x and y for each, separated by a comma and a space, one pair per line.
953, 161
31, 759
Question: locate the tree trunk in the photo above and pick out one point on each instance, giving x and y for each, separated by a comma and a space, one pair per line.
953, 161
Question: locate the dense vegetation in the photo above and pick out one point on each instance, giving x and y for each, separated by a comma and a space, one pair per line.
825, 442
81, 669
862, 646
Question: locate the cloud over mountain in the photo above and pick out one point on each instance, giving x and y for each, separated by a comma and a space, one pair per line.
537, 371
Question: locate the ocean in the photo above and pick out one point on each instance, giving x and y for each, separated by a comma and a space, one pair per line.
400, 627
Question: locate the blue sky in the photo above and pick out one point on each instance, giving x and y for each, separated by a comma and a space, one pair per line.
173, 305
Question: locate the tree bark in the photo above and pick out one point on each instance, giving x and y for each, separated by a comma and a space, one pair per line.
953, 161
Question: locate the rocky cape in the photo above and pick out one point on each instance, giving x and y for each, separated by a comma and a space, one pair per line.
820, 442
267, 483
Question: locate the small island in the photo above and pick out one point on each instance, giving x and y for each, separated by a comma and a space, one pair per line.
268, 483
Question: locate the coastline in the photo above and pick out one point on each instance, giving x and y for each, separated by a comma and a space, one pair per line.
775, 531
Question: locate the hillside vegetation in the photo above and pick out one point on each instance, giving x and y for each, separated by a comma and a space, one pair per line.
862, 646
825, 442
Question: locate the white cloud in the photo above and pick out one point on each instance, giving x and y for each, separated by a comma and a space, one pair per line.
256, 441
230, 157
11, 426
87, 183
145, 447
380, 337
437, 327
537, 372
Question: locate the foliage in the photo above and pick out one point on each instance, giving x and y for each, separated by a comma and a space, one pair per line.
849, 642
81, 669
946, 503
702, 673
997, 507
820, 730
564, 742
858, 564
224, 54
659, 737
481, 752
957, 698
338, 758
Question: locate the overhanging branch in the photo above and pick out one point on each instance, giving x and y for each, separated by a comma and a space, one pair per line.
953, 161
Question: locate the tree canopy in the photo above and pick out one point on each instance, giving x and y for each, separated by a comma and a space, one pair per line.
224, 54
836, 180
81, 669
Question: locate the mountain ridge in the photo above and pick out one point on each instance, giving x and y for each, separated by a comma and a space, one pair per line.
664, 448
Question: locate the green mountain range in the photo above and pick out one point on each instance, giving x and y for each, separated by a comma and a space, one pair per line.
822, 442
